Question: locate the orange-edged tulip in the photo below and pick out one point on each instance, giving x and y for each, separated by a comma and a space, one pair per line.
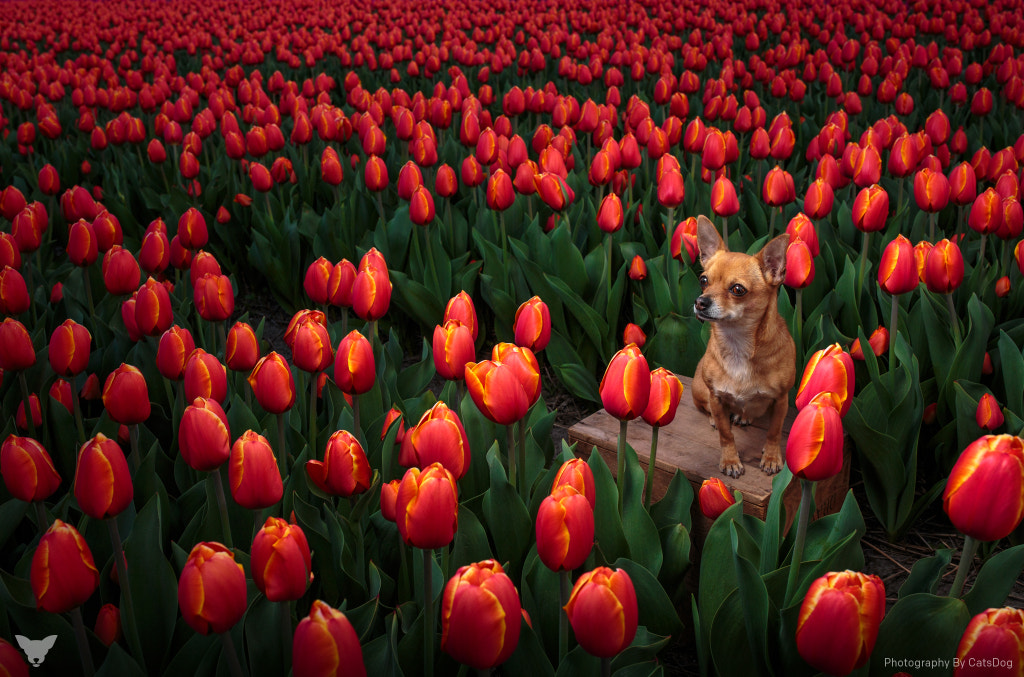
281, 562
427, 507
91, 388
103, 486
988, 415
931, 190
315, 283
108, 624
389, 419
500, 192
311, 347
1003, 287
944, 267
666, 391
120, 271
532, 325
992, 643
723, 197
814, 449
375, 174
354, 367
453, 348
497, 391
554, 191
205, 376
480, 615
82, 246
330, 167
828, 370
438, 437
609, 214
14, 298
49, 180
421, 206
446, 183
565, 529
714, 497
63, 573
126, 396
800, 227
389, 498
637, 268
68, 349
871, 209
524, 364
371, 290
204, 438
671, 189
10, 255
27, 469
839, 620
12, 663
20, 421
460, 307
986, 214
984, 496
634, 334
326, 645
345, 470
192, 231
153, 314
172, 352
61, 392
16, 351
963, 184
626, 385
242, 351
214, 298
155, 252
1013, 219
799, 265
272, 382
212, 589
778, 189
819, 199
253, 473
897, 270
203, 263
602, 610
339, 284
878, 342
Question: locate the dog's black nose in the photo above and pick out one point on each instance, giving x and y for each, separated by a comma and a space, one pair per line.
702, 303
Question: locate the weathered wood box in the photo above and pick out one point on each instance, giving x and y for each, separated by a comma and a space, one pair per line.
690, 444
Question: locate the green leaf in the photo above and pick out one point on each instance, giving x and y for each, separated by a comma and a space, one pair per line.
119, 664
640, 531
609, 539
471, 543
774, 522
592, 323
922, 629
1012, 370
263, 636
507, 518
926, 573
717, 573
729, 644
529, 659
656, 610
578, 663
995, 580
754, 599
674, 506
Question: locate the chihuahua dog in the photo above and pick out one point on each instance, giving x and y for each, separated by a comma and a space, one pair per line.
750, 363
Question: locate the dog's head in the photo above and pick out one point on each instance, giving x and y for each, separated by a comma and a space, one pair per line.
734, 285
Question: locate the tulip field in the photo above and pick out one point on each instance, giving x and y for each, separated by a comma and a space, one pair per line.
465, 208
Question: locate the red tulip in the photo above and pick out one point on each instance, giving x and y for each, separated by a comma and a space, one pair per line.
14, 298
814, 449
214, 297
68, 349
253, 473
602, 610
427, 507
125, 395
345, 471
714, 497
819, 199
326, 645
497, 391
723, 197
626, 384
281, 562
354, 367
963, 184
992, 642
986, 214
20, 420
839, 620
375, 174
103, 486
212, 590
153, 314
666, 391
983, 495
460, 307
330, 167
16, 351
242, 351
173, 350
108, 624
931, 190
799, 265
203, 435
532, 325
500, 193
63, 574
340, 283
565, 529
453, 348
421, 206
480, 616
671, 189
609, 214
311, 346
316, 280
878, 342
371, 290
205, 376
272, 382
192, 231
82, 246
988, 415
897, 270
943, 267
27, 469
778, 187
871, 209
828, 370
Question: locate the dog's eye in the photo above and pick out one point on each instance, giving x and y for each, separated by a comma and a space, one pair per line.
737, 290
703, 281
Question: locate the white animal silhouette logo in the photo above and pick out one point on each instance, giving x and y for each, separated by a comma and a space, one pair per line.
36, 649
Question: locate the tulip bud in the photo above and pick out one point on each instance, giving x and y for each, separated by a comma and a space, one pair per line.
281, 562
532, 325
326, 645
253, 474
847, 600
272, 382
316, 281
108, 624
243, 349
330, 167
714, 497
626, 385
871, 209
205, 376
814, 448
421, 206
778, 189
214, 298
438, 437
1003, 287
82, 246
68, 349
500, 193
829, 370
897, 271
931, 190
453, 348
345, 470
192, 231
311, 346
671, 189
943, 267
637, 268
27, 469
203, 435
986, 215
565, 529
126, 396
14, 297
602, 610
212, 589
993, 640
175, 347
666, 390
878, 342
460, 307
988, 415
63, 574
427, 507
152, 315
723, 197
480, 616
103, 485
371, 290
799, 265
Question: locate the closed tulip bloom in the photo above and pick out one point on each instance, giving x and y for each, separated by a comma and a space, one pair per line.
500, 193
878, 342
281, 562
609, 214
553, 190
497, 391
409, 179
205, 376
214, 298
438, 437
61, 392
203, 263
671, 189
427, 507
565, 529
637, 268
253, 474
108, 624
108, 231
120, 271
532, 325
577, 474
931, 190
153, 313
871, 209
602, 610
446, 183
16, 351
814, 449
354, 366
68, 349
986, 214
272, 382
49, 180
10, 255
995, 637
14, 298
778, 187
155, 252
453, 348
389, 419
242, 351
27, 469
330, 167
988, 415
723, 197
340, 283
28, 227
897, 270
63, 573
666, 391
1003, 287
802, 228
389, 498
524, 364
326, 645
944, 267
375, 174
799, 265
192, 231
460, 307
839, 619
311, 347
963, 184
345, 470
626, 385
172, 352
371, 290
126, 396
103, 486
480, 615
260, 176
82, 245
421, 206
316, 280
829, 370
983, 496
203, 435
714, 497
212, 589
819, 199
20, 420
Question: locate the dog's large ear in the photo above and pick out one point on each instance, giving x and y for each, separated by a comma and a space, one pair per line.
773, 259
709, 242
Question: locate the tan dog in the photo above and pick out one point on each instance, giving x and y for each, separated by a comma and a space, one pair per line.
750, 363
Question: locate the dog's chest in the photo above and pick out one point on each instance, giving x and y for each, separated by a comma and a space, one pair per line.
738, 387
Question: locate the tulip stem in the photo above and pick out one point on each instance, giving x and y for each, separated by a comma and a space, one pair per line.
133, 438
312, 414
504, 239
30, 420
355, 418
83, 642
798, 315
128, 607
223, 335
428, 613
42, 521
894, 318
953, 319
981, 251
649, 489
282, 454
862, 268
286, 635
222, 505
431, 264
232, 655
88, 298
620, 476
564, 586
608, 252
521, 456
771, 222
725, 231
962, 569
512, 466
806, 496
932, 217
606, 667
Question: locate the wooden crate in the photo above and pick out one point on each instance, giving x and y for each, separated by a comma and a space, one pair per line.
690, 444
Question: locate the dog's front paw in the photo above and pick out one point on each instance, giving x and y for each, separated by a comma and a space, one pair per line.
771, 460
737, 419
711, 420
732, 468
